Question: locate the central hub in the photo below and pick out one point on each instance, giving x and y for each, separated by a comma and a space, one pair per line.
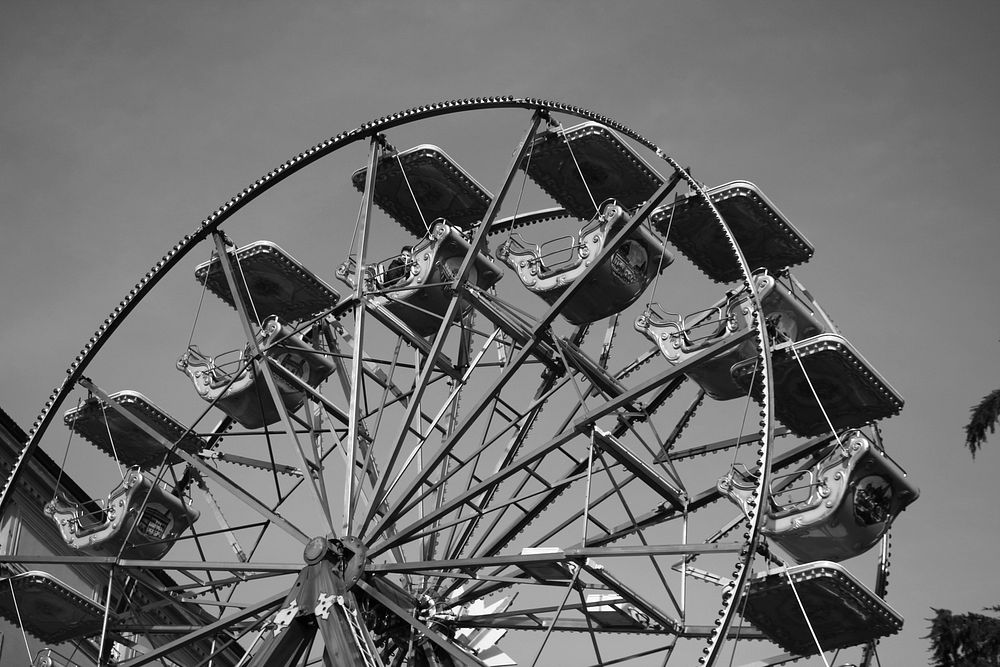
347, 554
316, 550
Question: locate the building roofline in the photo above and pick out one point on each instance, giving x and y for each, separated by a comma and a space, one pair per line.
66, 483
8, 423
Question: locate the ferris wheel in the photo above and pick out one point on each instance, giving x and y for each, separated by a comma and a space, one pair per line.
544, 398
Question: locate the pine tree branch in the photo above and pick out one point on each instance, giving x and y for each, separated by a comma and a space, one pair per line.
964, 640
984, 418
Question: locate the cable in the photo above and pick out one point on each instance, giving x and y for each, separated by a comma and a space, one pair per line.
836, 435
111, 439
62, 467
517, 206
806, 617
659, 268
410, 188
569, 146
201, 301
17, 611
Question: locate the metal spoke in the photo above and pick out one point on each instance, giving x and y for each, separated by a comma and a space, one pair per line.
442, 334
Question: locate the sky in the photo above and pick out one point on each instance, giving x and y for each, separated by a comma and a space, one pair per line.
871, 125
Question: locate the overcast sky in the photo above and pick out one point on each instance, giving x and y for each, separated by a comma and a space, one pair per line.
872, 126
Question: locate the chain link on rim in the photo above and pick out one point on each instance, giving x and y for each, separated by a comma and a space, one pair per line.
733, 592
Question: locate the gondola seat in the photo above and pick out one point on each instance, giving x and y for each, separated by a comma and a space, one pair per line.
415, 285
611, 287
138, 515
46, 658
679, 339
851, 499
790, 314
243, 393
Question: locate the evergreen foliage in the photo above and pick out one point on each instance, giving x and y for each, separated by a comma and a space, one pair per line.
965, 640
970, 640
984, 418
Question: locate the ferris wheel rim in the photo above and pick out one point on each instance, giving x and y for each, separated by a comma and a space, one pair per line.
299, 162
